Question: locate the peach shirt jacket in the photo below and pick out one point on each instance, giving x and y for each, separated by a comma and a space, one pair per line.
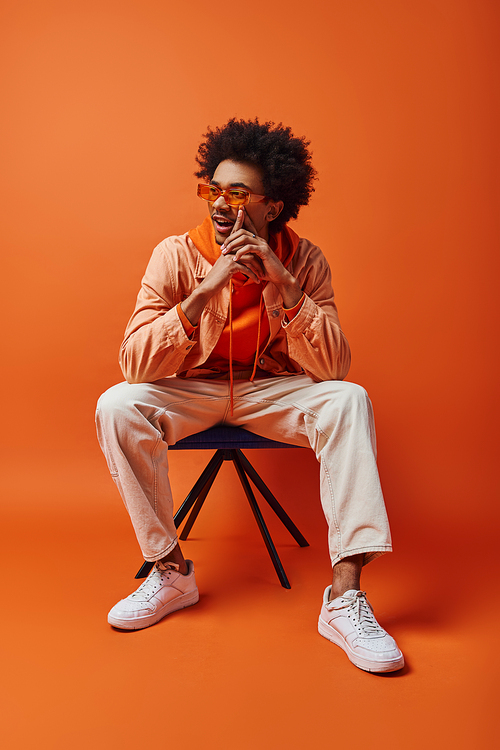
156, 345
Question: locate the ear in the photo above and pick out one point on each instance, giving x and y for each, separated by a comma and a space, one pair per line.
274, 210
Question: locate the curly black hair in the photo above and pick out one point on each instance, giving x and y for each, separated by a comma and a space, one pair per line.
285, 161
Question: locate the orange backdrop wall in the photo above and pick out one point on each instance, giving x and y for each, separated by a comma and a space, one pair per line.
104, 105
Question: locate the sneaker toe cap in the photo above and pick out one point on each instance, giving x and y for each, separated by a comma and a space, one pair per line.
378, 649
129, 609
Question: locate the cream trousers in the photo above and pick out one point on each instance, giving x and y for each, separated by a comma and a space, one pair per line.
137, 423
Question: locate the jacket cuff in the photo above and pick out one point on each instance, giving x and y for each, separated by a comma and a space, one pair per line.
303, 319
189, 328
176, 335
291, 312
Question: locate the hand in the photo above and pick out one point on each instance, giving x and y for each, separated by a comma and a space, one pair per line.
224, 268
252, 251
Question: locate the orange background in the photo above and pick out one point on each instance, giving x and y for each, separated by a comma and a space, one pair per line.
104, 107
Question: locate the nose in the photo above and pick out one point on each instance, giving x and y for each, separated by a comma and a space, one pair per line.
220, 203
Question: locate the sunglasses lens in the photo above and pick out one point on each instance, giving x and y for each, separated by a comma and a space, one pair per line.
236, 197
208, 192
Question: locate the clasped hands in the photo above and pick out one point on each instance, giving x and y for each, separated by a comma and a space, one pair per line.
250, 250
244, 251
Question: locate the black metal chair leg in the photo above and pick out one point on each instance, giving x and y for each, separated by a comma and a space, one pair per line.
261, 523
214, 464
198, 504
270, 498
195, 499
143, 571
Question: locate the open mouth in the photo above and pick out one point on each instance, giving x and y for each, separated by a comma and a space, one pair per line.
223, 226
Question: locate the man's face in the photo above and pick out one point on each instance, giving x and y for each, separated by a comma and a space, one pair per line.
239, 174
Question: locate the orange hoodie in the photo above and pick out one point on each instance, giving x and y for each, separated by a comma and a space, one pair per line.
246, 332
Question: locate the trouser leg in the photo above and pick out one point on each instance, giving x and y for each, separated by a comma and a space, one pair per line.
136, 424
335, 419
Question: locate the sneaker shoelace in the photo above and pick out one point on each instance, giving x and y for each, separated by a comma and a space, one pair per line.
361, 613
152, 583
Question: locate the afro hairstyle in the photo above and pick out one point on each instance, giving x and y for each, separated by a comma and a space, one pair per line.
285, 161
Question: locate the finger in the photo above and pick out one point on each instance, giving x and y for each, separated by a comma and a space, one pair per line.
240, 218
246, 271
254, 250
248, 224
235, 240
252, 261
236, 226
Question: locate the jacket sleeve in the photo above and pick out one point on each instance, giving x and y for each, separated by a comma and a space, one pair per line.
155, 342
315, 339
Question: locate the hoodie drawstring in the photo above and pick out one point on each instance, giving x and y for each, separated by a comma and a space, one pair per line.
231, 397
252, 376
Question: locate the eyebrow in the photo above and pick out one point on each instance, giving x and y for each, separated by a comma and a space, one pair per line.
233, 184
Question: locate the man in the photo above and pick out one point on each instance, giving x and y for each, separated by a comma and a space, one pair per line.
236, 323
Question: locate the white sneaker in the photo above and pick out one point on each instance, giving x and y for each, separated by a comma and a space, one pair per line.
165, 590
349, 622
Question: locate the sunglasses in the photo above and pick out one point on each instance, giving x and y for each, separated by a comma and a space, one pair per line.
233, 196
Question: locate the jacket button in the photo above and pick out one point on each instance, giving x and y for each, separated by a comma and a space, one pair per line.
262, 361
276, 313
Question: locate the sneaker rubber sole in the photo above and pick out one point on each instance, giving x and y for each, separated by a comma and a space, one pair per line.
389, 665
137, 623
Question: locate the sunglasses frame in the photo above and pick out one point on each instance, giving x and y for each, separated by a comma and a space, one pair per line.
250, 197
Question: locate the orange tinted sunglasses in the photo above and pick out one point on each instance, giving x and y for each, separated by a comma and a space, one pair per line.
232, 196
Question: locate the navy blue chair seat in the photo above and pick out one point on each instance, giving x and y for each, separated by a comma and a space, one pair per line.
229, 443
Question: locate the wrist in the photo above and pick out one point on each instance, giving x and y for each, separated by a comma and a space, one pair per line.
193, 306
290, 291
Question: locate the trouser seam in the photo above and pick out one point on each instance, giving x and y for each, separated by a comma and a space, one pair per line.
332, 503
158, 412
293, 404
155, 472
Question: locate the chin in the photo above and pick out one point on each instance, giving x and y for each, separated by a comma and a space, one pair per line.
219, 238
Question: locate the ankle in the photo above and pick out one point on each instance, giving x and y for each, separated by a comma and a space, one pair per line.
175, 556
183, 568
346, 576
335, 593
